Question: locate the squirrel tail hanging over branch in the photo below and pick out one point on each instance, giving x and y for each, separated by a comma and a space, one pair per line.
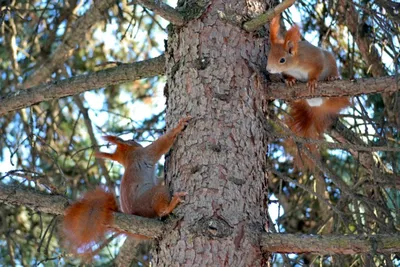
88, 220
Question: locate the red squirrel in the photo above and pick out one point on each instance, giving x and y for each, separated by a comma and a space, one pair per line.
86, 221
300, 60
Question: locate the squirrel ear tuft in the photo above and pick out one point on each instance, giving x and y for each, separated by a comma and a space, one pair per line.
274, 30
292, 39
291, 49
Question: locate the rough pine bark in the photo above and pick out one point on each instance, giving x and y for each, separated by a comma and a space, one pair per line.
220, 158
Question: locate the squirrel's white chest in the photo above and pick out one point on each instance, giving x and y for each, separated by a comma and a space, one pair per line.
299, 74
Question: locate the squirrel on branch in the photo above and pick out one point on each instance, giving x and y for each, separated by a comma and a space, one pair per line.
86, 221
300, 60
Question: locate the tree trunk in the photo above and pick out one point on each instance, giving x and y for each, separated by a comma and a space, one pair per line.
219, 159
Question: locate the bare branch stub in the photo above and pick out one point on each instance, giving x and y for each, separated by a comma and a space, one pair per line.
262, 19
162, 9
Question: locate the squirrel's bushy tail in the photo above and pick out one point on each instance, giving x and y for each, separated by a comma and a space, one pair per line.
86, 221
311, 122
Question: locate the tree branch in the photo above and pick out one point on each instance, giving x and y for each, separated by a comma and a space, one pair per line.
334, 88
56, 204
285, 132
280, 243
162, 9
74, 38
368, 51
366, 44
127, 252
262, 19
139, 225
75, 85
20, 195
350, 244
153, 67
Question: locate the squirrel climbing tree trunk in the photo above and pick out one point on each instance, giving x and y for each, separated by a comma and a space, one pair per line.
220, 159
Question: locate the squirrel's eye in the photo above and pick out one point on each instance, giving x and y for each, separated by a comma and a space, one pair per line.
282, 60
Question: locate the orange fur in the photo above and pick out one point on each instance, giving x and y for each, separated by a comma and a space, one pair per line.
123, 149
274, 30
86, 221
292, 39
311, 122
300, 60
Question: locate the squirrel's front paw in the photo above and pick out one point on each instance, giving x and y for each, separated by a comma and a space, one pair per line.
178, 196
184, 122
311, 85
290, 81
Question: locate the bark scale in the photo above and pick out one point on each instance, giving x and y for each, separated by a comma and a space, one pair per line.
219, 159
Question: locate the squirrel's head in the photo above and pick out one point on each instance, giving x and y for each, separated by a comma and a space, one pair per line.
282, 53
